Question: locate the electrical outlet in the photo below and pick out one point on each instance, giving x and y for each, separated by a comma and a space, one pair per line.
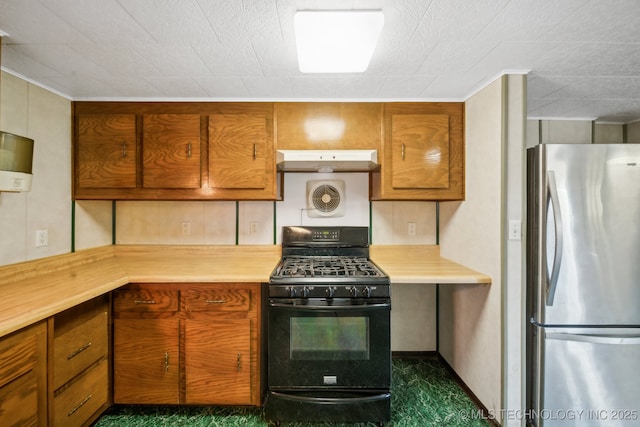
253, 228
515, 230
186, 228
42, 238
411, 228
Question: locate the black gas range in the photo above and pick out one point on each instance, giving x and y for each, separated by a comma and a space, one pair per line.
328, 329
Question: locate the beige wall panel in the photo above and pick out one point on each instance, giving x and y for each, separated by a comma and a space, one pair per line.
470, 233
93, 224
390, 223
605, 133
413, 317
566, 131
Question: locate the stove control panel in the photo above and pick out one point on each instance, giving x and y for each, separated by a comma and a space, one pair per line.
325, 235
328, 291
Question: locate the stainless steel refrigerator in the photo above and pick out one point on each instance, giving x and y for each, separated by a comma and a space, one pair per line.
583, 285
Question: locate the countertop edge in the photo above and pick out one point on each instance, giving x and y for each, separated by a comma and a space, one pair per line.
92, 272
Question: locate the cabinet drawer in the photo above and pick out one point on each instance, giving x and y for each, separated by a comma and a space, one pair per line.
78, 402
78, 348
145, 300
224, 299
19, 401
18, 355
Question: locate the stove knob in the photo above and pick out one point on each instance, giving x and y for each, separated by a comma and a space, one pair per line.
354, 291
329, 292
292, 292
366, 291
305, 292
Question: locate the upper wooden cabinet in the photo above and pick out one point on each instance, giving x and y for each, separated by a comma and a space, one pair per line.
328, 125
423, 153
105, 151
174, 151
171, 151
241, 154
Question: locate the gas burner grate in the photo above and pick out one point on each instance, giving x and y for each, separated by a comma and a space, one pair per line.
328, 267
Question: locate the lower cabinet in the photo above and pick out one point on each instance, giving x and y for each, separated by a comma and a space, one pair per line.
79, 373
146, 361
23, 364
187, 344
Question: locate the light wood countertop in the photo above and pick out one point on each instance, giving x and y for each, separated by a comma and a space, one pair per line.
144, 264
422, 264
35, 290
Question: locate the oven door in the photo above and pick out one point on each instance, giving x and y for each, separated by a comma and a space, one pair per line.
338, 343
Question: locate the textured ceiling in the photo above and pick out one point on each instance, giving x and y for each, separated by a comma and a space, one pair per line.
582, 57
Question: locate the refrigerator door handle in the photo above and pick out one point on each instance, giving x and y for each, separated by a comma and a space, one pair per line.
552, 197
595, 339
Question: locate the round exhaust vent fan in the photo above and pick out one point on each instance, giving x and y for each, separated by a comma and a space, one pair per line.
325, 198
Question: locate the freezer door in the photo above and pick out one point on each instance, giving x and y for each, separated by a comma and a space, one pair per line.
584, 248
589, 379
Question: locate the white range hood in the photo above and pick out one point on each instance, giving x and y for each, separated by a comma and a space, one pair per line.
327, 160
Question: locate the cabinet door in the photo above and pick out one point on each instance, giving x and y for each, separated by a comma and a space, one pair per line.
240, 151
420, 151
171, 151
23, 400
146, 361
423, 152
106, 151
218, 362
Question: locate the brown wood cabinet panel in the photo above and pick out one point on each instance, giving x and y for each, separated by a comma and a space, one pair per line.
218, 362
146, 300
220, 298
430, 137
328, 125
23, 362
19, 402
171, 151
77, 349
105, 151
240, 151
78, 402
146, 361
420, 151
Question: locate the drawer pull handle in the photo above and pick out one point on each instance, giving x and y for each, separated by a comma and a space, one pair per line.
403, 151
124, 150
144, 301
78, 351
166, 362
79, 405
189, 150
255, 152
216, 301
239, 362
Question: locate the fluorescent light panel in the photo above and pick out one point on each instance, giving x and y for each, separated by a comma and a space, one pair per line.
340, 41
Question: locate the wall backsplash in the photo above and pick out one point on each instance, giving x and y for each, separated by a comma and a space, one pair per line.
260, 223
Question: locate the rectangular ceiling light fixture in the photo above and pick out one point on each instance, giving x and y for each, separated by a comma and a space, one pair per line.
338, 41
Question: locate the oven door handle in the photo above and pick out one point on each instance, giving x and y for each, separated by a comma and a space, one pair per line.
364, 306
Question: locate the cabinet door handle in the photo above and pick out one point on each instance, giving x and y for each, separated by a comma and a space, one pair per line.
402, 151
239, 362
166, 362
78, 351
255, 152
189, 150
216, 301
124, 150
79, 405
144, 301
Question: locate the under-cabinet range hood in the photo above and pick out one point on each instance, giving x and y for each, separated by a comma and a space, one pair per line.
327, 160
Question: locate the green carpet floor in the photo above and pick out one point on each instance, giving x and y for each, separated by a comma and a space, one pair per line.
423, 394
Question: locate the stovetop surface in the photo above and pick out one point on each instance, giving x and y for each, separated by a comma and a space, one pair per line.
327, 266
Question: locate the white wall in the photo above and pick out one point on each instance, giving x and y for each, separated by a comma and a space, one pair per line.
471, 234
29, 110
